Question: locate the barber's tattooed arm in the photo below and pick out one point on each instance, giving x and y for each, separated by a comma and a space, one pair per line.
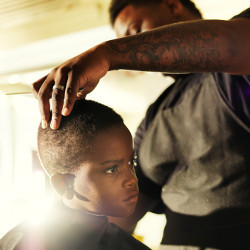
196, 46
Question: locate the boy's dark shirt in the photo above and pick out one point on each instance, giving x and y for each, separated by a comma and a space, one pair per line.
70, 229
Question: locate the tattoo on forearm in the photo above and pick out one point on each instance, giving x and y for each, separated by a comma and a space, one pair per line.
170, 50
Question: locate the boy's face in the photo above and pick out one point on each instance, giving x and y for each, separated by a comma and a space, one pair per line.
108, 178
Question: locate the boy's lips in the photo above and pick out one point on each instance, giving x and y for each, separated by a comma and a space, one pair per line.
133, 197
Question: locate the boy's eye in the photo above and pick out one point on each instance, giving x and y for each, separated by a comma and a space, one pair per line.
111, 170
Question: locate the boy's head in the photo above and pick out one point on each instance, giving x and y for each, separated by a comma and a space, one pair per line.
90, 159
129, 17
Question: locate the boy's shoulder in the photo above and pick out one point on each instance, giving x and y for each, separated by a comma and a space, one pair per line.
11, 239
114, 238
70, 231
117, 238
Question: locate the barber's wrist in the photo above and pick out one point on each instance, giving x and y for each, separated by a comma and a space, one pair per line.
114, 58
104, 55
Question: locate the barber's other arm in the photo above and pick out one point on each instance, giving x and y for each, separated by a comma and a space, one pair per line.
196, 46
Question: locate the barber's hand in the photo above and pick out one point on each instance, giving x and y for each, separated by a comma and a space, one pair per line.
82, 72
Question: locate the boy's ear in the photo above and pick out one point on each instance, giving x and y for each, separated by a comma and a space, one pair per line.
62, 183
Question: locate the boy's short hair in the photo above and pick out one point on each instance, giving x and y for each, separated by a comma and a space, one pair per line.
117, 5
64, 149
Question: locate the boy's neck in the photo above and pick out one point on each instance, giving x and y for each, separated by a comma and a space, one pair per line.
69, 206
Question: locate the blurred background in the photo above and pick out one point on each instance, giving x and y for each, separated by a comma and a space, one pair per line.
35, 36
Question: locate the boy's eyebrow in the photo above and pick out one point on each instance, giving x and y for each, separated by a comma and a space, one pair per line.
117, 161
112, 161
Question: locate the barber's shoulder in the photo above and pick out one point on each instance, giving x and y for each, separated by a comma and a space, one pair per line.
243, 14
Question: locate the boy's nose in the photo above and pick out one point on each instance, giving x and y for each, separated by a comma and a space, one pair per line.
131, 179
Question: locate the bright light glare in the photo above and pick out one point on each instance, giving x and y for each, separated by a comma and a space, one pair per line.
38, 183
151, 229
38, 210
40, 203
14, 79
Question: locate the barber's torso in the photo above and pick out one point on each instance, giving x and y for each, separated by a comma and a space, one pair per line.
198, 151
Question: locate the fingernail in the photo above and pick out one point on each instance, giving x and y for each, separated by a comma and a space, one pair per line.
44, 124
65, 111
53, 124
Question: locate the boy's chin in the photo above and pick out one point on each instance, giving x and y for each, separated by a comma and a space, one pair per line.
123, 213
